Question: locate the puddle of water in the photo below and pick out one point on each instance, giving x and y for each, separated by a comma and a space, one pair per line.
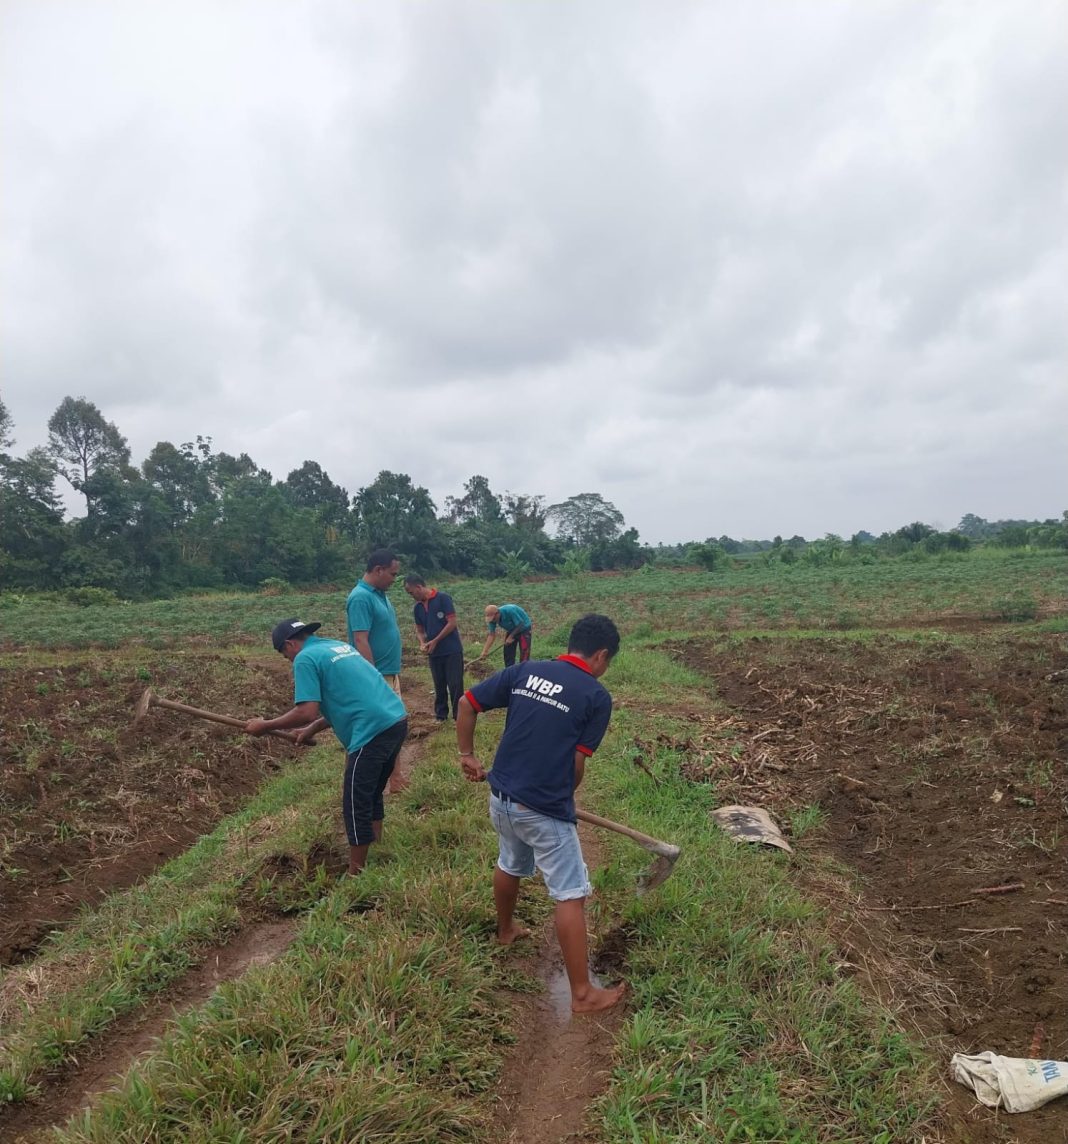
558, 990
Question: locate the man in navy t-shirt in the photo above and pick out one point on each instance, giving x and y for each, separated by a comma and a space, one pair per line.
558, 713
435, 625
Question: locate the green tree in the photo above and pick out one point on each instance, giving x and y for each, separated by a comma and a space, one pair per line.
479, 504
82, 442
524, 512
391, 512
310, 487
973, 527
181, 479
708, 554
33, 537
914, 532
586, 519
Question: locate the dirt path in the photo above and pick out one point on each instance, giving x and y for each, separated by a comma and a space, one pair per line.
103, 1065
105, 1062
560, 1063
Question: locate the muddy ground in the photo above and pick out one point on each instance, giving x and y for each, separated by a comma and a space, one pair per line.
941, 776
89, 803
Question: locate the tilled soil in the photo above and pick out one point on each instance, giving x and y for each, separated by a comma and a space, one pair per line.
264, 935
89, 803
941, 774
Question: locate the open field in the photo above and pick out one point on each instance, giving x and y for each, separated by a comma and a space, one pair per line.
905, 723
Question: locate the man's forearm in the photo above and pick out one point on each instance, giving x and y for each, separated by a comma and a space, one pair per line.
299, 716
363, 645
466, 718
580, 769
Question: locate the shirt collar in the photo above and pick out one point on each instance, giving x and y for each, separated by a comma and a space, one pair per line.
577, 661
433, 593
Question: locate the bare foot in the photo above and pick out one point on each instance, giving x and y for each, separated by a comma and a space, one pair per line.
596, 1000
515, 933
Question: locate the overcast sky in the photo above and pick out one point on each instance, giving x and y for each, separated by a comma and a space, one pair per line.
748, 268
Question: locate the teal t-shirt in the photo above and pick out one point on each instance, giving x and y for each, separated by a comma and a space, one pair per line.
352, 695
513, 619
370, 610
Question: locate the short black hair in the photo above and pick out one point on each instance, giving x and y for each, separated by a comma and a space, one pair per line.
415, 580
592, 633
380, 558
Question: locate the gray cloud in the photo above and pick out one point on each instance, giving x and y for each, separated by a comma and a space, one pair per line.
744, 268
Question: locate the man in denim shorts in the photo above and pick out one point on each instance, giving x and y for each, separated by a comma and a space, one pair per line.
558, 713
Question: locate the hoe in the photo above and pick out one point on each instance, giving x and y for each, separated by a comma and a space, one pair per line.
658, 873
151, 699
666, 852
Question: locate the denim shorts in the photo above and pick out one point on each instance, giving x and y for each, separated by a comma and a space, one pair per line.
529, 839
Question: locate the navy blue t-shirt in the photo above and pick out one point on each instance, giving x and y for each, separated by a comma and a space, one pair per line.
555, 708
432, 617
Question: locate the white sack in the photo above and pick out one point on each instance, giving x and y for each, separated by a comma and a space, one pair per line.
1012, 1083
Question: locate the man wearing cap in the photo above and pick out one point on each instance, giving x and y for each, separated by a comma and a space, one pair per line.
336, 687
517, 628
372, 619
435, 625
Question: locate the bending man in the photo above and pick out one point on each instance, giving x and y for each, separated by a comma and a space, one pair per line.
517, 628
333, 686
558, 713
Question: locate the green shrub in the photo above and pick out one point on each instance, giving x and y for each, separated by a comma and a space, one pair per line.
88, 597
1017, 607
274, 586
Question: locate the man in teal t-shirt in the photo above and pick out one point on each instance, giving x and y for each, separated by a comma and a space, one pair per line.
517, 628
372, 619
336, 687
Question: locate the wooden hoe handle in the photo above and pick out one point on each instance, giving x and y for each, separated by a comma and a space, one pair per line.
212, 716
665, 849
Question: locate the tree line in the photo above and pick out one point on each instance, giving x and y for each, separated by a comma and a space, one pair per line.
192, 518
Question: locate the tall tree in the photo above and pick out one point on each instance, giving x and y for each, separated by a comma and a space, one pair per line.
525, 512
394, 513
180, 478
479, 503
82, 442
587, 519
310, 487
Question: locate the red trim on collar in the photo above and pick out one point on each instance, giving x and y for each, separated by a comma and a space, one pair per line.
577, 661
433, 593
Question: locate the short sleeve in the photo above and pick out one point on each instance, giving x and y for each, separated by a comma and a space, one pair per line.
491, 626
306, 685
495, 691
446, 603
359, 611
415, 616
596, 725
